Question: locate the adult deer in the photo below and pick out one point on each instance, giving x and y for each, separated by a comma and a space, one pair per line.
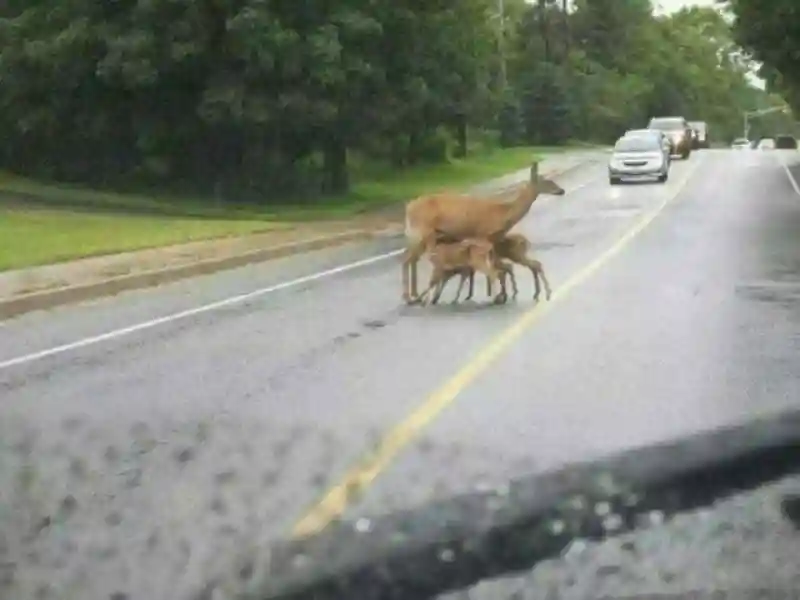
454, 217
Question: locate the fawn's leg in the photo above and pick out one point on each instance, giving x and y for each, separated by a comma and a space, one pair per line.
440, 288
508, 269
465, 276
436, 278
470, 274
537, 269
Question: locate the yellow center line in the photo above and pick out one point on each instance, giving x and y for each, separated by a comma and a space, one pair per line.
359, 477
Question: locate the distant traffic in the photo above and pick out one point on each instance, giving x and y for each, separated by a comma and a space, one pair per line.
647, 153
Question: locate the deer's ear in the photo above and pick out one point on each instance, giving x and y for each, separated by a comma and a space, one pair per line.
534, 171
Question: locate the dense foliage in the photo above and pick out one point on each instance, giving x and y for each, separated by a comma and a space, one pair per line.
771, 31
254, 98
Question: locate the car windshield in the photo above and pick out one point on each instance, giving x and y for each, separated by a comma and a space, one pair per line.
634, 132
637, 143
271, 277
667, 124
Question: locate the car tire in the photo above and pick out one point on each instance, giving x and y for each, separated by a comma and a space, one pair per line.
614, 180
663, 177
685, 155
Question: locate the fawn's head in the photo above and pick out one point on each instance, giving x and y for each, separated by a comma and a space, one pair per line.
543, 185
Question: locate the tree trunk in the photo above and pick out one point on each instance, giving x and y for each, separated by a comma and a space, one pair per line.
461, 136
336, 178
413, 152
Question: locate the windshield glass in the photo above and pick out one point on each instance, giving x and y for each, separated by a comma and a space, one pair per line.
666, 124
642, 132
269, 269
637, 143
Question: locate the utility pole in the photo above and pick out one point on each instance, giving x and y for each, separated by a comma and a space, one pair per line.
501, 44
545, 29
758, 113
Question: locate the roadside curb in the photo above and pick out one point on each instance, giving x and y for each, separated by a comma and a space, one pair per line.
47, 299
42, 300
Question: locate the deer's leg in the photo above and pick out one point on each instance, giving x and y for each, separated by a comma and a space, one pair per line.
501, 276
548, 292
508, 271
537, 270
502, 297
492, 276
440, 287
413, 253
462, 281
437, 275
513, 280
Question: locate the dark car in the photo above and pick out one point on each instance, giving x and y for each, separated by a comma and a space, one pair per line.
678, 131
701, 134
785, 142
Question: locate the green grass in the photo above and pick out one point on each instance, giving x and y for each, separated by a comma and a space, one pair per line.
54, 223
36, 237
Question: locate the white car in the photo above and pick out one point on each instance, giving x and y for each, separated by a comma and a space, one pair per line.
766, 144
663, 137
741, 144
638, 157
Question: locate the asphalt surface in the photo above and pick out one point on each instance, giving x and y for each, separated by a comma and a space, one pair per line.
142, 464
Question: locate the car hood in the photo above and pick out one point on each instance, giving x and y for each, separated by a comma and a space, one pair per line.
453, 544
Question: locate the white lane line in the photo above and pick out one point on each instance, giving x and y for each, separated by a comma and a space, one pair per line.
184, 314
118, 333
788, 171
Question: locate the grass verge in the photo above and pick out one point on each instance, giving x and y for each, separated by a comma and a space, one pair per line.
37, 237
45, 224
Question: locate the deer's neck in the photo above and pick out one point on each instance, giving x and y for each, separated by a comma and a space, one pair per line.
519, 207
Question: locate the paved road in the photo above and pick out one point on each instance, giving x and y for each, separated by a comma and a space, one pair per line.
140, 464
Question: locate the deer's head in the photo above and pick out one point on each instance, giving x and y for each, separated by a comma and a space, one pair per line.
544, 185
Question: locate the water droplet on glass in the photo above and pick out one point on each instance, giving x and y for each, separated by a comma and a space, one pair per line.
612, 522
576, 502
363, 525
447, 555
602, 509
300, 561
557, 527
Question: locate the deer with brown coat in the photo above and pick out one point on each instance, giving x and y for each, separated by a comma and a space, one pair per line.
449, 258
453, 217
504, 269
514, 248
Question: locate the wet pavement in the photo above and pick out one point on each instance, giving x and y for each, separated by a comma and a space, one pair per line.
141, 464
